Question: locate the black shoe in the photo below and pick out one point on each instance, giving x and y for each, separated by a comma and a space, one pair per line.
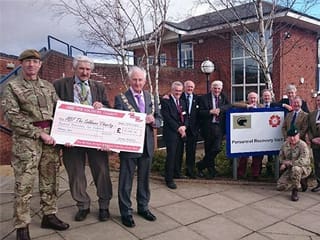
304, 184
51, 221
82, 214
147, 215
104, 215
23, 233
316, 188
128, 221
191, 176
171, 185
200, 172
294, 195
211, 173
180, 177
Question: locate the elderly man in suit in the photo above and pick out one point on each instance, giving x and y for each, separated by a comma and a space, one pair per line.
212, 109
253, 102
287, 102
173, 111
297, 117
81, 89
314, 137
192, 102
137, 100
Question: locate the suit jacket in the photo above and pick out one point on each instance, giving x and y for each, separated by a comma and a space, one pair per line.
149, 107
304, 105
205, 105
313, 128
172, 119
193, 116
301, 123
64, 89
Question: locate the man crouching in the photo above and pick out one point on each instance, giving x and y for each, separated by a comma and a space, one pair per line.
295, 164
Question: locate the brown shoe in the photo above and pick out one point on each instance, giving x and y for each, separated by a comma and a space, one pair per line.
23, 233
294, 195
51, 221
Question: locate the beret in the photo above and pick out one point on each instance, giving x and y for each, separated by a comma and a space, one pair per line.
292, 131
29, 54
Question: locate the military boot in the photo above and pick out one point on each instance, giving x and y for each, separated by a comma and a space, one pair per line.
53, 222
304, 184
23, 233
294, 195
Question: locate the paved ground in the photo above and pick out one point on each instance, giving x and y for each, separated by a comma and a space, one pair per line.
197, 210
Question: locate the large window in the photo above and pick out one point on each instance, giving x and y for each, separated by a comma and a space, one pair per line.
187, 60
246, 74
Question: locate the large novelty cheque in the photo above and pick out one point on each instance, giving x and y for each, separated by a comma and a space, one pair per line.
84, 126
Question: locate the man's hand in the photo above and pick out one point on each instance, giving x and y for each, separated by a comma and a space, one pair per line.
182, 131
150, 119
215, 111
97, 105
47, 139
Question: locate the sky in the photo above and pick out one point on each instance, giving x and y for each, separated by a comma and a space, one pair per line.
27, 24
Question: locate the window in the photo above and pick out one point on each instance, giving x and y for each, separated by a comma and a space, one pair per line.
151, 60
187, 60
163, 59
246, 74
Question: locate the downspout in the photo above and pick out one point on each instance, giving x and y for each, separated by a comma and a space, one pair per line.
179, 49
318, 65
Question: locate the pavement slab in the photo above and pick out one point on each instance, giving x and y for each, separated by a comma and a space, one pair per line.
196, 210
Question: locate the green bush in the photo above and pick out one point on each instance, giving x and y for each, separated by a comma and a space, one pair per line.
158, 161
223, 164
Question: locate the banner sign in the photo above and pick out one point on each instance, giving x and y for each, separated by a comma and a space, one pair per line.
254, 131
84, 126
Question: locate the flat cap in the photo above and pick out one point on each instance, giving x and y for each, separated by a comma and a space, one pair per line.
292, 131
29, 53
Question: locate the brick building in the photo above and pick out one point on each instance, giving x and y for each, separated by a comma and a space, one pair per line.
295, 49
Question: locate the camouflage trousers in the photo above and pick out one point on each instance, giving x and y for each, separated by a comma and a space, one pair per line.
291, 178
29, 158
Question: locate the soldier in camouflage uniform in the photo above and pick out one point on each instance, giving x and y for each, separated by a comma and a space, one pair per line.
28, 103
295, 162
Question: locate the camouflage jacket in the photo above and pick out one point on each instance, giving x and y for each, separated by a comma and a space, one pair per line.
299, 155
24, 102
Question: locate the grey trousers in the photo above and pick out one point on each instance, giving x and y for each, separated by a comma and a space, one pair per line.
127, 169
74, 160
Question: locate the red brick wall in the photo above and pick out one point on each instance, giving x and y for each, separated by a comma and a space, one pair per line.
296, 59
287, 68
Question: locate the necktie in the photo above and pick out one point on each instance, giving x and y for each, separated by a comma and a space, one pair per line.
84, 94
293, 118
140, 103
217, 106
189, 103
267, 105
179, 108
318, 117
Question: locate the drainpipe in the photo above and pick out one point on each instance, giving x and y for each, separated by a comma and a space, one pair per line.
318, 65
179, 49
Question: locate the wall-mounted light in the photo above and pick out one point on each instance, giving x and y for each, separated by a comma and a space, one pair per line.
10, 65
287, 35
302, 80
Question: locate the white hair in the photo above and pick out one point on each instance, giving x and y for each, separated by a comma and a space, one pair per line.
82, 58
137, 69
217, 83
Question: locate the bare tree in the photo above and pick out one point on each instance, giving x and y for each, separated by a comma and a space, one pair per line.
109, 24
255, 37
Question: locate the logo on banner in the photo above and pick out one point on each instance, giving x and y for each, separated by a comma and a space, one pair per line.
241, 121
274, 121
